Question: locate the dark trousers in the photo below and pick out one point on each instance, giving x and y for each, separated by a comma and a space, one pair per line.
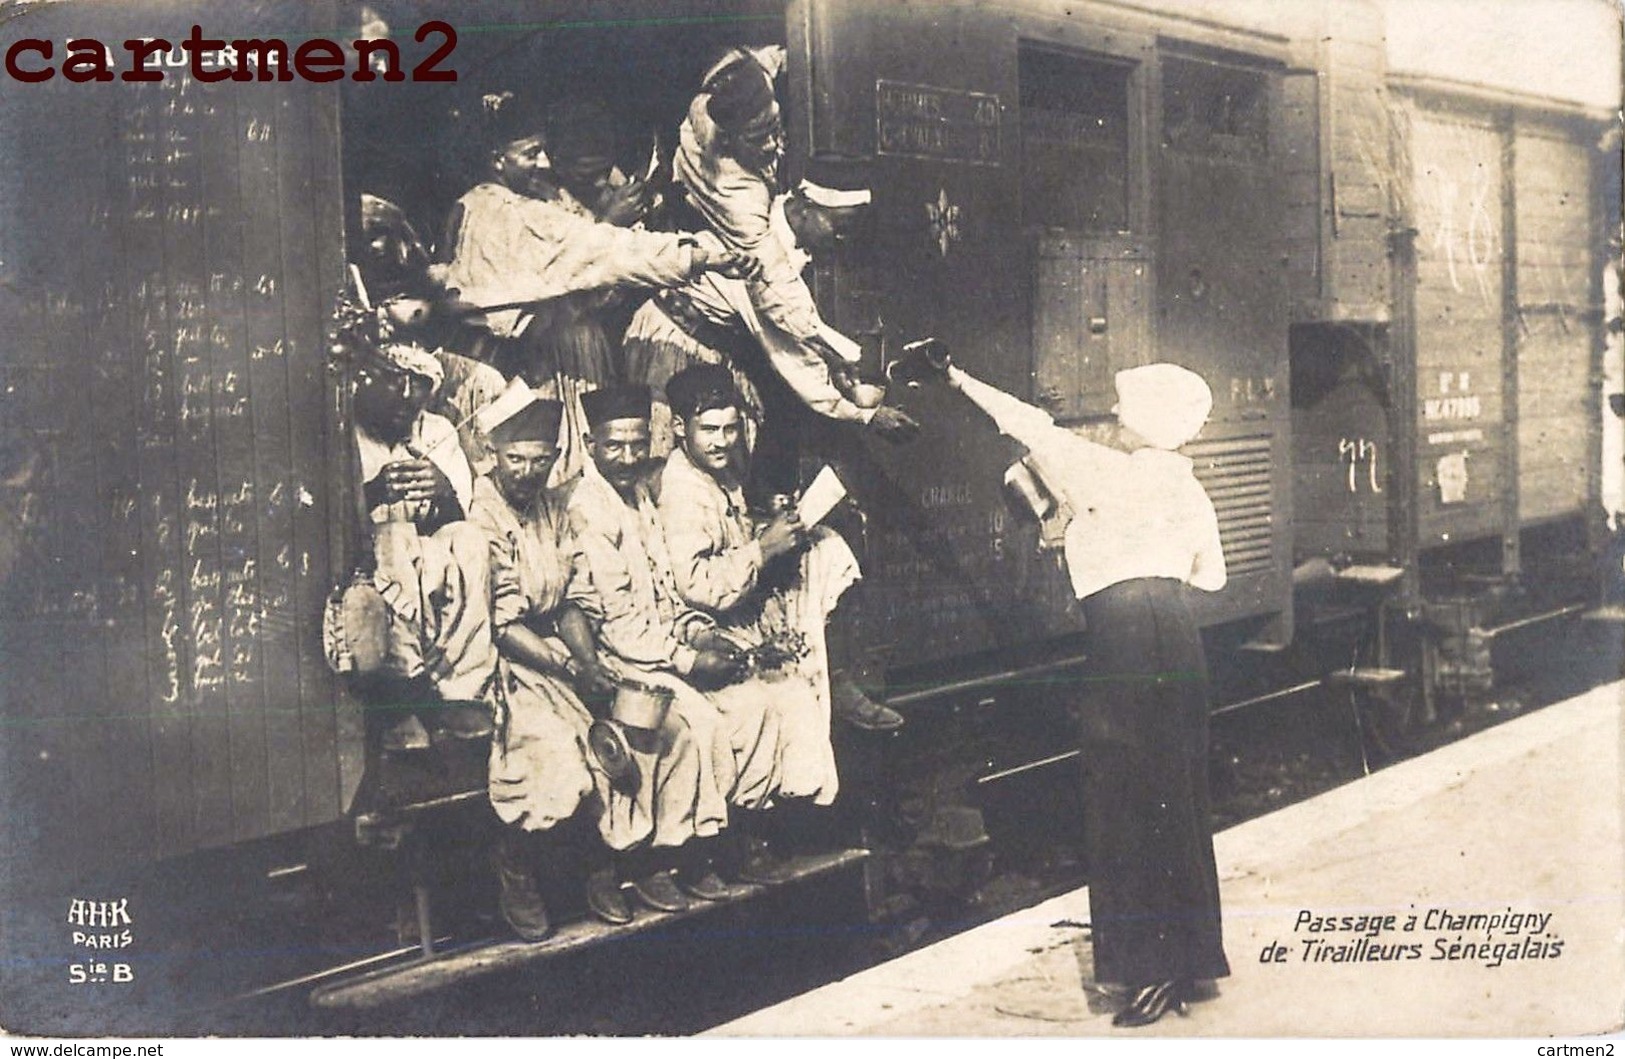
1153, 887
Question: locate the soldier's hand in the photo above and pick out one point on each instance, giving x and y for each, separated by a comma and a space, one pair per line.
782, 536
733, 264
592, 681
894, 425
714, 668
412, 480
625, 204
711, 640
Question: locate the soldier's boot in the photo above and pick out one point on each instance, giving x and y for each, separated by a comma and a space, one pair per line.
520, 899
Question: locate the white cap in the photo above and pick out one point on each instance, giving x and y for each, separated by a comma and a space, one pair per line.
414, 358
1163, 403
509, 403
831, 198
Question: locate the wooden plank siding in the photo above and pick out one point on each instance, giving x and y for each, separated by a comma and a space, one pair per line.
167, 357
1557, 331
1456, 171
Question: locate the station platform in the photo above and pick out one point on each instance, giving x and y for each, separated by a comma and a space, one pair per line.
1522, 820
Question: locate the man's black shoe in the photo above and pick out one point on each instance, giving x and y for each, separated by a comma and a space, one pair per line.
520, 902
606, 899
707, 887
851, 705
658, 892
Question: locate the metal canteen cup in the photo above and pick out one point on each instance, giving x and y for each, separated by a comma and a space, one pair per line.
607, 742
640, 707
925, 359
1026, 492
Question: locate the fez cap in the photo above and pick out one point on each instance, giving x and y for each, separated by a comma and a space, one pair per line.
1163, 403
615, 402
700, 388
537, 421
835, 182
519, 415
740, 93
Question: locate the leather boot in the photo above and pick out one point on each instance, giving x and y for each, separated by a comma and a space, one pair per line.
1149, 1003
520, 900
697, 874
852, 668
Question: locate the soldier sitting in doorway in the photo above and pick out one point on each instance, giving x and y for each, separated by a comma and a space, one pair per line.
768, 588
541, 769
623, 581
429, 566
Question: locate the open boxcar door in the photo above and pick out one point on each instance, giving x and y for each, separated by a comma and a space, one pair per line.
930, 93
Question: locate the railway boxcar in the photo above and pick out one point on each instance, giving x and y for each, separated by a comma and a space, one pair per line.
1446, 353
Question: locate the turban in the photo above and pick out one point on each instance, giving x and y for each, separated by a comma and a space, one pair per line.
519, 415
508, 117
1163, 403
700, 388
740, 94
415, 359
615, 402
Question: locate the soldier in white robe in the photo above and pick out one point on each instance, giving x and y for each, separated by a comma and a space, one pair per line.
541, 769
430, 566
769, 587
646, 635
546, 241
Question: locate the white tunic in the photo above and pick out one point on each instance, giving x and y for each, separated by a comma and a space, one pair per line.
1140, 514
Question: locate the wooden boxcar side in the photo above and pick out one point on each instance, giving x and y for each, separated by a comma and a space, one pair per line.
1508, 326
171, 253
1059, 195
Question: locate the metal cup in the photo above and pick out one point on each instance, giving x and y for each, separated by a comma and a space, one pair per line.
1026, 492
640, 705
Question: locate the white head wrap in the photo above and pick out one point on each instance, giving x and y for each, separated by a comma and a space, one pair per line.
416, 360
1163, 403
833, 198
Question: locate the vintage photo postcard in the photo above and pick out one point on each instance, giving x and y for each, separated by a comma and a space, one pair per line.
811, 518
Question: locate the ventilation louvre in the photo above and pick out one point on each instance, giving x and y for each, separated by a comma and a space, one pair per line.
1236, 474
